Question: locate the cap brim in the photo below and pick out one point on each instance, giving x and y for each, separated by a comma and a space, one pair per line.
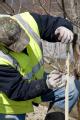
20, 44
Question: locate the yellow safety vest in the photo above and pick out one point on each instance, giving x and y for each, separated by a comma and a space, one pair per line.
30, 66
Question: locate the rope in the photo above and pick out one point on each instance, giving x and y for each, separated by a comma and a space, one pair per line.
67, 85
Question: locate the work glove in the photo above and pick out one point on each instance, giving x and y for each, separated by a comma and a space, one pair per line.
55, 80
64, 35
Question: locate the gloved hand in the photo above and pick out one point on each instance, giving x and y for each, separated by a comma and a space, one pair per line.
65, 35
55, 80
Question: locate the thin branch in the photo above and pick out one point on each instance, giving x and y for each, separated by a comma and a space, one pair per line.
67, 15
20, 6
63, 7
50, 6
43, 8
4, 8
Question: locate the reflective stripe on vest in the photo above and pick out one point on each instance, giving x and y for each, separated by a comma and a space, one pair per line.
16, 65
9, 59
29, 29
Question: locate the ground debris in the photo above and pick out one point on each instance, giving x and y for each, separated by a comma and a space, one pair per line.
40, 113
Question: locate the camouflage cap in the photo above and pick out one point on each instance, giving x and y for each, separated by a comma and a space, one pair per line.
12, 35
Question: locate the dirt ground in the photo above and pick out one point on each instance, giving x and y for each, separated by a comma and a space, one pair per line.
40, 113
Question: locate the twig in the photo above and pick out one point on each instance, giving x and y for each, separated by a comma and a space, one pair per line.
43, 8
9, 7
67, 16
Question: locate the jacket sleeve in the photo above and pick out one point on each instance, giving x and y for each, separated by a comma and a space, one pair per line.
12, 84
48, 24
